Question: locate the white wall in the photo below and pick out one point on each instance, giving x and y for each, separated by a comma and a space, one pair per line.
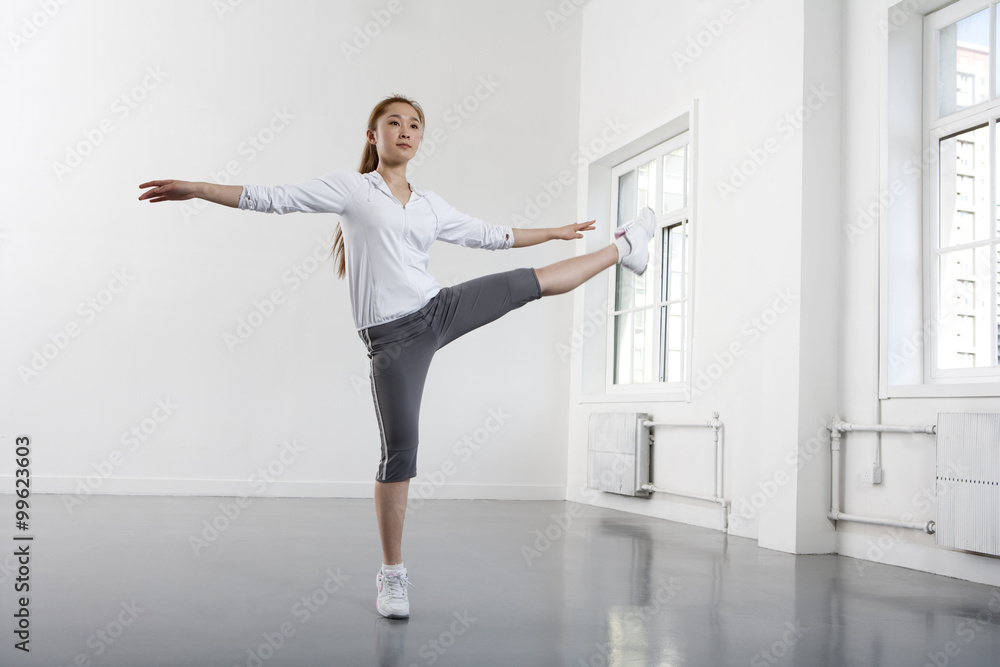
747, 76
908, 461
303, 374
792, 226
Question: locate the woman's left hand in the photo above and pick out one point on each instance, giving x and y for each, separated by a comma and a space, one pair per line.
570, 232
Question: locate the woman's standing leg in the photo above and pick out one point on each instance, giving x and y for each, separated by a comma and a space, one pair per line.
390, 510
400, 351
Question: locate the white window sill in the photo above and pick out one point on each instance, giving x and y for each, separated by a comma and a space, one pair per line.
660, 396
944, 390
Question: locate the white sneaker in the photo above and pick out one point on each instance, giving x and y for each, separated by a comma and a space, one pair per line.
392, 601
638, 233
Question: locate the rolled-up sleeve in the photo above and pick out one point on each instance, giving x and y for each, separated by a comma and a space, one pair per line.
464, 230
326, 194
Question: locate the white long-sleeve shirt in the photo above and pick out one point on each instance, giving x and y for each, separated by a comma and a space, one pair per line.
385, 242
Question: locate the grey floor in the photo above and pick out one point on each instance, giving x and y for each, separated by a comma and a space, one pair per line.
291, 582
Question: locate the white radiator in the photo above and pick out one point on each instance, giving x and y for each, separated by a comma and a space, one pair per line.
968, 482
618, 453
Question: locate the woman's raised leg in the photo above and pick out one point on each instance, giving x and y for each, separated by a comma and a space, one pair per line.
569, 274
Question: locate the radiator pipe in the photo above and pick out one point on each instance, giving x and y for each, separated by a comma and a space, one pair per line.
836, 428
716, 425
713, 499
928, 526
881, 428
835, 465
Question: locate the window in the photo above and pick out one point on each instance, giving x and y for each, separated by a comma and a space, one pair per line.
961, 112
649, 323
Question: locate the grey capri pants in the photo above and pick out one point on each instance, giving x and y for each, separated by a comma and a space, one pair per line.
401, 350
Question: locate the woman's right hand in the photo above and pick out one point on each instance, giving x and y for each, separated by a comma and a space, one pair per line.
169, 190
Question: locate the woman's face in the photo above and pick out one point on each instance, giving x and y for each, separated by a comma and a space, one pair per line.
397, 133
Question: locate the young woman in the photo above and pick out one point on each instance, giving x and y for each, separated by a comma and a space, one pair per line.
401, 313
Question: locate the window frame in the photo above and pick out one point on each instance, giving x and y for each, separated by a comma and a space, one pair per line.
685, 216
934, 130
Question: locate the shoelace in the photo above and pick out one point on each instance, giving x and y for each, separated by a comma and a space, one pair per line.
397, 583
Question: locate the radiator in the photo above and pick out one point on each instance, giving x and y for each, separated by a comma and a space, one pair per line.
968, 482
618, 453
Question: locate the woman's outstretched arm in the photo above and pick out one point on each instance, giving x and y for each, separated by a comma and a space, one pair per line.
529, 236
172, 190
327, 194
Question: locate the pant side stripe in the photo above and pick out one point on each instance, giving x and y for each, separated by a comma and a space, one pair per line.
378, 415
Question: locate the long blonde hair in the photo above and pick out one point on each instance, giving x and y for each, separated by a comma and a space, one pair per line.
369, 162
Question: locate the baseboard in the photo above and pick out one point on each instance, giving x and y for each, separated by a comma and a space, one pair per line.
873, 545
134, 486
693, 512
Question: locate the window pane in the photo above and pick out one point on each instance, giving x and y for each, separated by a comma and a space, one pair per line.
645, 175
673, 265
964, 188
967, 336
645, 339
624, 288
626, 198
672, 319
623, 360
675, 180
635, 191
646, 292
627, 208
964, 63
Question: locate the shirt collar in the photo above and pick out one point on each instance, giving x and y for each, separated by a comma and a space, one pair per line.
376, 179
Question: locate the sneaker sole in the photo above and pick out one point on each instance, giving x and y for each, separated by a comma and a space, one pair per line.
398, 617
